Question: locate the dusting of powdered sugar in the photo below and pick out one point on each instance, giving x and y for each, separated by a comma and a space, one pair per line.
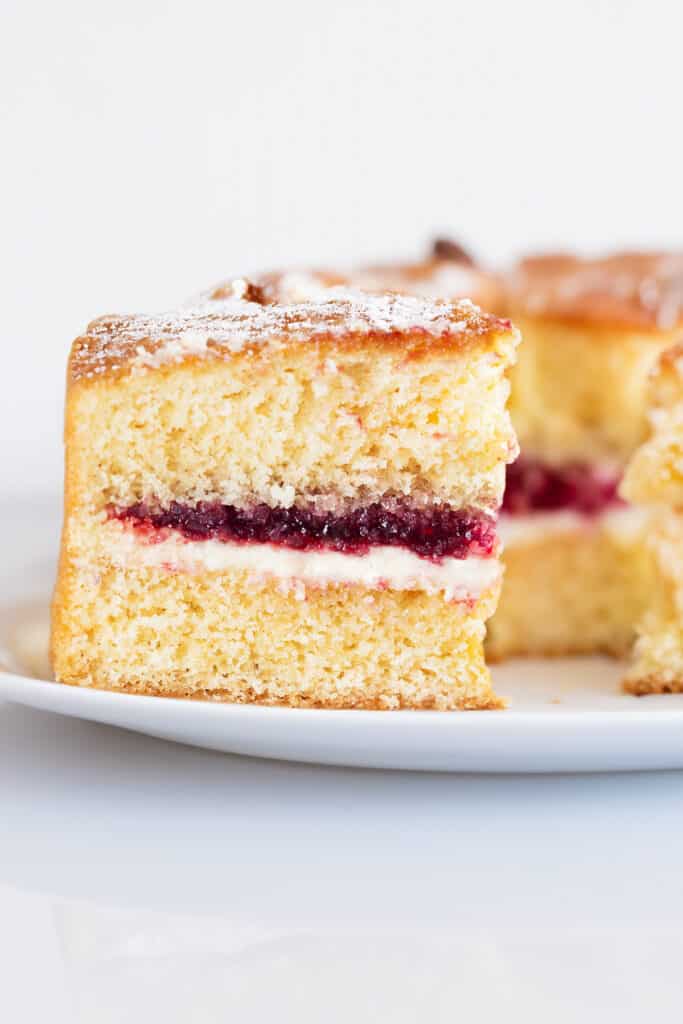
235, 324
442, 280
427, 280
301, 286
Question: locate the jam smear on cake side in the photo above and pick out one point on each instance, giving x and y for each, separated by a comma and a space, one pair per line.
435, 532
533, 486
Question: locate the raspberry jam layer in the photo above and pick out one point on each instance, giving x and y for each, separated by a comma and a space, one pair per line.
436, 532
532, 486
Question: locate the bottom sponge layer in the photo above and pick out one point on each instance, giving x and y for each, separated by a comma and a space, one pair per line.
581, 591
221, 636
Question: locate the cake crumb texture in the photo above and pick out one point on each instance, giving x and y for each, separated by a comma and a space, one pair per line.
657, 661
655, 473
579, 390
296, 424
225, 637
579, 592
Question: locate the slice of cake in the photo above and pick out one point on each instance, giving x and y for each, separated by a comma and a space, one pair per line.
286, 504
654, 479
577, 571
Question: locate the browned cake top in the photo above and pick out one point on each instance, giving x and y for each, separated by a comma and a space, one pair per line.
632, 290
434, 278
245, 319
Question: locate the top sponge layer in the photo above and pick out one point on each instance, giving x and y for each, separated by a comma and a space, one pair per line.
241, 401
247, 320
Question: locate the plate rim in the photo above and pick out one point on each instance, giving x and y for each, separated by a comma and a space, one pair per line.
64, 693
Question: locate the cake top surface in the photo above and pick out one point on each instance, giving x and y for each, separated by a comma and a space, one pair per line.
247, 317
432, 279
632, 290
449, 272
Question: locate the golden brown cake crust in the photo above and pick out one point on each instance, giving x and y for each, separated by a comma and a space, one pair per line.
352, 700
630, 290
114, 345
651, 685
436, 277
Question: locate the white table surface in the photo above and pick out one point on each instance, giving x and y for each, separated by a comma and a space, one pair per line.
140, 880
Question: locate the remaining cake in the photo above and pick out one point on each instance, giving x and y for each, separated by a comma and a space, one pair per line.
578, 574
286, 504
654, 479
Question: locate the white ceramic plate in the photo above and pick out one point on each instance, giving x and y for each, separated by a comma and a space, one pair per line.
564, 715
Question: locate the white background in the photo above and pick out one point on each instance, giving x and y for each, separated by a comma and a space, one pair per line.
149, 149
146, 150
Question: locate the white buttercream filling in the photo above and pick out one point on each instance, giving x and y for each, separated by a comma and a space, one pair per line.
527, 529
383, 567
